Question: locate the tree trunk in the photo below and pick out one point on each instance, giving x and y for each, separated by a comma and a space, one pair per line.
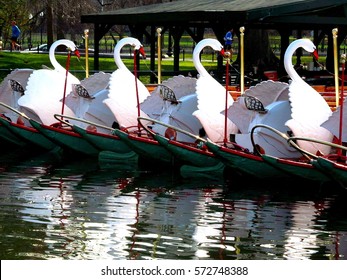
258, 52
49, 22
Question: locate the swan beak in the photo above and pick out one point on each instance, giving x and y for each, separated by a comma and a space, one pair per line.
142, 52
222, 52
77, 53
315, 54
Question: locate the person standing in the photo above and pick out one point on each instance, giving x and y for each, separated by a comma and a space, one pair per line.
15, 35
228, 38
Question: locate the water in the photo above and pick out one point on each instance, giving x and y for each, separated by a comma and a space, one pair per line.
74, 209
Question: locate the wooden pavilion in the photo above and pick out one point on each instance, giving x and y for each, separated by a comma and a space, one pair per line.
195, 16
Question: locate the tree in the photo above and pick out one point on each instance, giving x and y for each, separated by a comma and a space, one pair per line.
12, 10
258, 52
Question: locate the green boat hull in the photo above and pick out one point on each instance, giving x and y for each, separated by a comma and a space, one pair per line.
146, 148
104, 142
189, 154
246, 163
302, 170
7, 136
119, 161
30, 135
337, 171
195, 161
68, 140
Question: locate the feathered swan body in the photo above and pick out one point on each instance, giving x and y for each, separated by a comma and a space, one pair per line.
309, 109
211, 97
10, 96
177, 114
122, 99
45, 89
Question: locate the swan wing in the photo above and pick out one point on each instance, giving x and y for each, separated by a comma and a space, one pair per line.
153, 105
49, 84
46, 113
96, 82
6, 91
123, 88
214, 125
266, 92
240, 115
333, 123
211, 95
181, 85
307, 104
125, 115
269, 91
311, 131
98, 112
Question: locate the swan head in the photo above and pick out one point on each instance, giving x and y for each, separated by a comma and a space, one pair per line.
69, 44
142, 51
308, 46
135, 43
209, 42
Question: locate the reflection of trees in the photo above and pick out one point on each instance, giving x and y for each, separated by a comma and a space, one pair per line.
75, 211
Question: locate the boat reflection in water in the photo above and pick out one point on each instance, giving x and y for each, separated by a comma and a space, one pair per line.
57, 210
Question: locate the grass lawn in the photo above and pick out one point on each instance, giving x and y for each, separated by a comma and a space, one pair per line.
13, 60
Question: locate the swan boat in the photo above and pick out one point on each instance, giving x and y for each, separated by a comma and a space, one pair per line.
34, 100
213, 98
168, 106
258, 160
72, 131
11, 88
178, 111
313, 131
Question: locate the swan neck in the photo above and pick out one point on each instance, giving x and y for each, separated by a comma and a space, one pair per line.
196, 60
288, 64
52, 58
117, 58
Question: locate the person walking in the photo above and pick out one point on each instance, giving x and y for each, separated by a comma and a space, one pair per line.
228, 38
15, 35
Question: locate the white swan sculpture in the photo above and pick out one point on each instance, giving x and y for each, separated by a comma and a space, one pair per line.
211, 97
11, 88
45, 89
297, 106
309, 110
173, 102
122, 96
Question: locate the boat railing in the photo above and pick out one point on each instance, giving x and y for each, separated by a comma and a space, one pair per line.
61, 118
194, 136
14, 110
291, 140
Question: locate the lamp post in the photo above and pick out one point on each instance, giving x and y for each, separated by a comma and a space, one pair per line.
41, 16
86, 34
30, 24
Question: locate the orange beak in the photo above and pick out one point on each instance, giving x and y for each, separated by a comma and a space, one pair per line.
315, 54
222, 52
142, 52
77, 53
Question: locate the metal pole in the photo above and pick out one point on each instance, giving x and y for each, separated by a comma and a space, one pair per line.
336, 66
86, 33
242, 67
227, 54
159, 54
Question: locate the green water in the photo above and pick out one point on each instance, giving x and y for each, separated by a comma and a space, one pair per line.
76, 210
